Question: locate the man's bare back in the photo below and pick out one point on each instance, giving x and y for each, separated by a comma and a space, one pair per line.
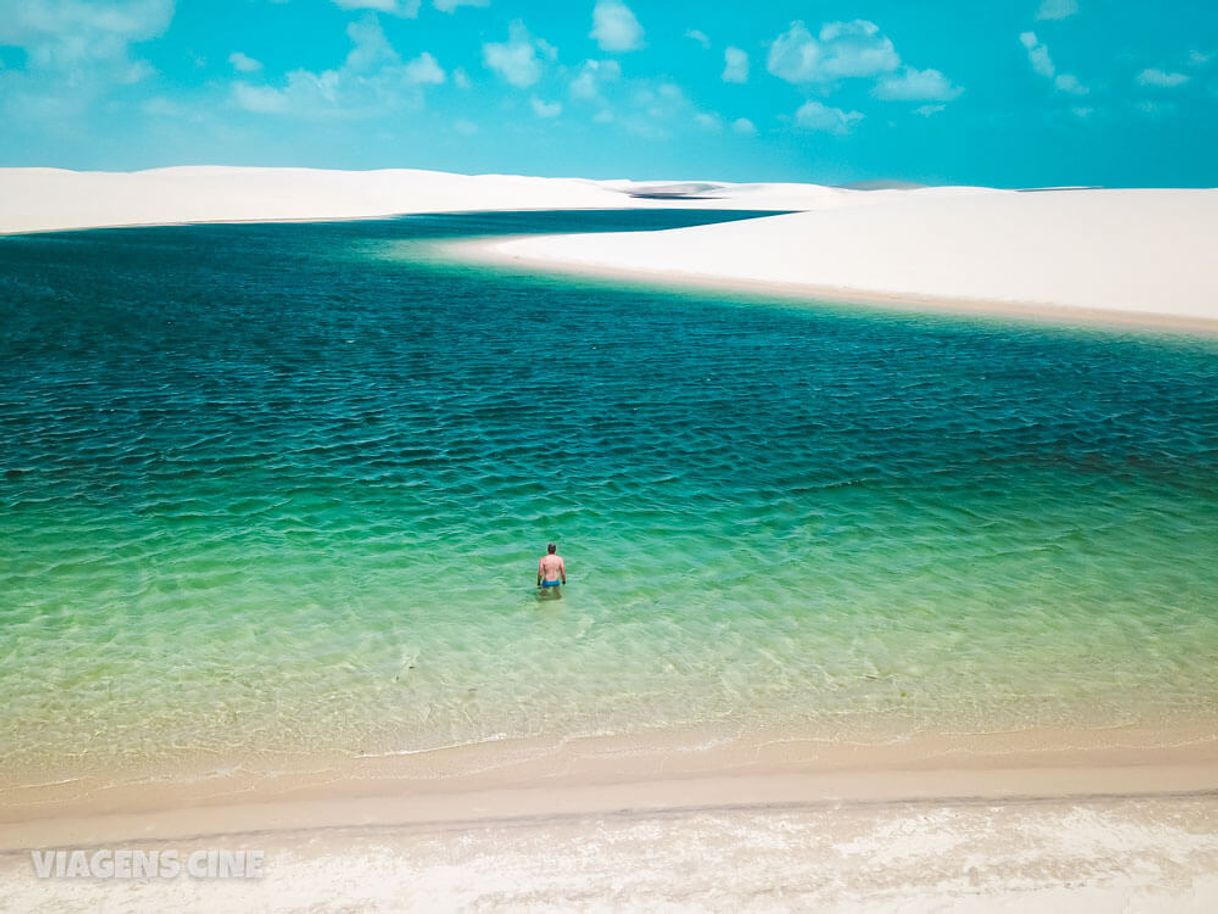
550, 570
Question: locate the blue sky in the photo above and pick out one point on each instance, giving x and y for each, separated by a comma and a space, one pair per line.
1000, 92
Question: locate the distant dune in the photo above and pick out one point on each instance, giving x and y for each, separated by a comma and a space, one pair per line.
49, 199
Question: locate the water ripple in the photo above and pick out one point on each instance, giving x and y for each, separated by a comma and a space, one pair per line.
252, 508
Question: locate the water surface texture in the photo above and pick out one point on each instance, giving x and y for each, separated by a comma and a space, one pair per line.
282, 488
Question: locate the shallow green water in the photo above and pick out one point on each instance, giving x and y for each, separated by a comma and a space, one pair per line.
283, 488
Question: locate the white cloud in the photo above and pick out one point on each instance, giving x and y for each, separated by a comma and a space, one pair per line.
736, 66
371, 81
1198, 59
423, 71
1057, 9
84, 40
842, 49
465, 127
649, 108
75, 52
461, 78
1156, 109
661, 100
1161, 79
929, 110
614, 26
520, 60
448, 6
699, 36
814, 115
243, 63
655, 110
1042, 65
260, 99
545, 109
913, 85
1069, 83
1038, 55
592, 77
855, 49
407, 9
744, 127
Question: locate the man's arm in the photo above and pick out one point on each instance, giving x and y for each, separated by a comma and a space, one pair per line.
562, 570
539, 566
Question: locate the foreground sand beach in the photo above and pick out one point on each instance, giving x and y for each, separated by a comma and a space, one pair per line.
1109, 854
781, 824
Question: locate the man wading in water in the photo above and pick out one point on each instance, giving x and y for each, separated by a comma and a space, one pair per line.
550, 571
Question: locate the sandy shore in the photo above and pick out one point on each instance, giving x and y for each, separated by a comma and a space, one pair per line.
1058, 819
1104, 854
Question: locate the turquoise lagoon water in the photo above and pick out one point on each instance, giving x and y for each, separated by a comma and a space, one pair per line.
282, 488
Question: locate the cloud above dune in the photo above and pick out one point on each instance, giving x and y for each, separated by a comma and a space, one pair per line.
1038, 55
372, 80
817, 116
840, 50
615, 28
407, 9
243, 63
75, 53
735, 66
84, 38
700, 37
1069, 83
1042, 65
521, 59
1057, 9
545, 109
592, 77
913, 85
423, 71
450, 6
650, 108
1161, 79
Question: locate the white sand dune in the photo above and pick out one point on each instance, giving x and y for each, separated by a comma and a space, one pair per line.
1139, 252
1147, 254
48, 199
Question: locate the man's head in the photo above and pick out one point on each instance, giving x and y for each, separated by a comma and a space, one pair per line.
551, 549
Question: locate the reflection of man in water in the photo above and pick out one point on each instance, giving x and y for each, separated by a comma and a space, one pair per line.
550, 570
